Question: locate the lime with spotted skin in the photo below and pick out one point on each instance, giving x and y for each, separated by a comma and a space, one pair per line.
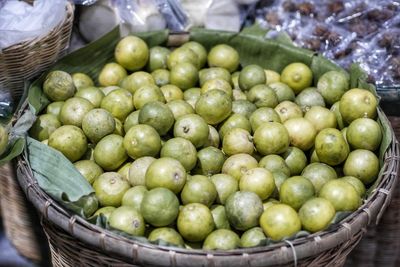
331, 147
308, 98
98, 123
184, 75
209, 161
158, 116
137, 170
282, 91
199, 189
332, 85
168, 235
298, 76
136, 80
182, 150
316, 214
295, 191
82, 80
59, 86
112, 74
358, 103
363, 164
161, 77
243, 107
128, 220
319, 174
225, 185
263, 96
252, 237
158, 56
147, 93
214, 106
342, 195
214, 73
74, 110
288, 110
239, 164
134, 196
221, 239
232, 122
271, 138
119, 103
110, 187
89, 169
110, 153
142, 140
199, 50
93, 94
193, 128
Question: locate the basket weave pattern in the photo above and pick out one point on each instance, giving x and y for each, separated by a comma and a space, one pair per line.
75, 242
27, 59
21, 223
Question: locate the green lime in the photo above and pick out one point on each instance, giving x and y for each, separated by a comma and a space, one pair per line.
157, 58
209, 161
288, 110
73, 111
159, 207
161, 77
298, 76
243, 209
316, 214
342, 195
168, 235
55, 108
199, 50
295, 191
251, 76
259, 181
183, 55
132, 53
147, 93
319, 174
223, 56
218, 84
282, 91
363, 164
105, 211
93, 94
81, 80
136, 80
171, 92
44, 126
137, 170
221, 239
364, 133
110, 187
239, 164
332, 85
301, 132
110, 153
98, 123
252, 237
243, 107
263, 115
142, 140
280, 221
134, 196
331, 147
58, 86
199, 189
180, 108
193, 128
295, 159
225, 185
119, 103
357, 183
271, 138
182, 150
184, 75
219, 216
214, 73
272, 76
166, 172
234, 121
321, 118
213, 137
274, 163
69, 140
89, 169
308, 98
112, 74
131, 120
358, 103
128, 220
214, 106
263, 96
237, 141
157, 115
195, 222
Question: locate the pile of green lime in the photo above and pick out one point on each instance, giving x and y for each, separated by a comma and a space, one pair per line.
190, 148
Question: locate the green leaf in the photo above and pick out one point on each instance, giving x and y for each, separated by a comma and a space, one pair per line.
55, 173
15, 148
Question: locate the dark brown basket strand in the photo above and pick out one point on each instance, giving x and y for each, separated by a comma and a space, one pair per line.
21, 222
381, 245
28, 59
75, 242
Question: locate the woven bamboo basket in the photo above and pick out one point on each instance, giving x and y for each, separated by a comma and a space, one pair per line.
21, 222
76, 242
28, 59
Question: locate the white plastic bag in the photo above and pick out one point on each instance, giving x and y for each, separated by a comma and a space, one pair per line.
20, 21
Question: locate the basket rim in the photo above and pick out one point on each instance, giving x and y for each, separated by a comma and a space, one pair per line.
69, 6
303, 247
